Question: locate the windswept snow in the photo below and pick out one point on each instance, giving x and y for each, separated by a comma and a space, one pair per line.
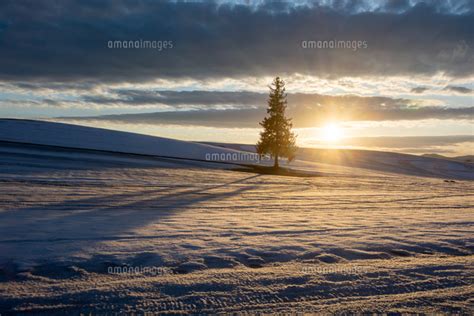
103, 232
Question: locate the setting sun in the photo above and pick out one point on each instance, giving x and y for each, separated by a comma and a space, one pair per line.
331, 132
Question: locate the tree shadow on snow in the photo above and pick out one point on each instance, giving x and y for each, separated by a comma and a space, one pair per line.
94, 220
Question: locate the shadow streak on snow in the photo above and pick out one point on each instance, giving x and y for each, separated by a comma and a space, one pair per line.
89, 220
36, 159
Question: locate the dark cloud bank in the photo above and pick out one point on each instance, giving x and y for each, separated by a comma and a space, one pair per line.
455, 89
67, 40
247, 108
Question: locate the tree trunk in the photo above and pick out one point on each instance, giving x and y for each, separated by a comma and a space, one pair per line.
276, 165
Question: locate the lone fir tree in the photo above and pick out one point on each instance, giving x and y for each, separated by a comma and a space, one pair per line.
277, 139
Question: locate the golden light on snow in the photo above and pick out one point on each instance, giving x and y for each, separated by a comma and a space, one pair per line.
332, 132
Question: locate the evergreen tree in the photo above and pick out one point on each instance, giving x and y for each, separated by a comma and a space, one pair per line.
277, 139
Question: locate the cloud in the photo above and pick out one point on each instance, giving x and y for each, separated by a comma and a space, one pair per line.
67, 41
410, 141
450, 88
407, 144
246, 109
419, 89
462, 90
230, 118
199, 99
179, 99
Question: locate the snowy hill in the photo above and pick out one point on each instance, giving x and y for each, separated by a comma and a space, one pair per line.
385, 162
324, 161
81, 137
466, 158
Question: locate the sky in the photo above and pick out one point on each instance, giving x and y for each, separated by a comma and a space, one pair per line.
394, 75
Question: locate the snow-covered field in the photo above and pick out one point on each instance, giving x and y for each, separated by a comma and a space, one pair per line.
84, 231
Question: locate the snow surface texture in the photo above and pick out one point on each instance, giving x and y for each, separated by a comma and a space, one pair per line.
89, 232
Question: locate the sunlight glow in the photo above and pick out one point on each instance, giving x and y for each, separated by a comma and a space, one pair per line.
331, 132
